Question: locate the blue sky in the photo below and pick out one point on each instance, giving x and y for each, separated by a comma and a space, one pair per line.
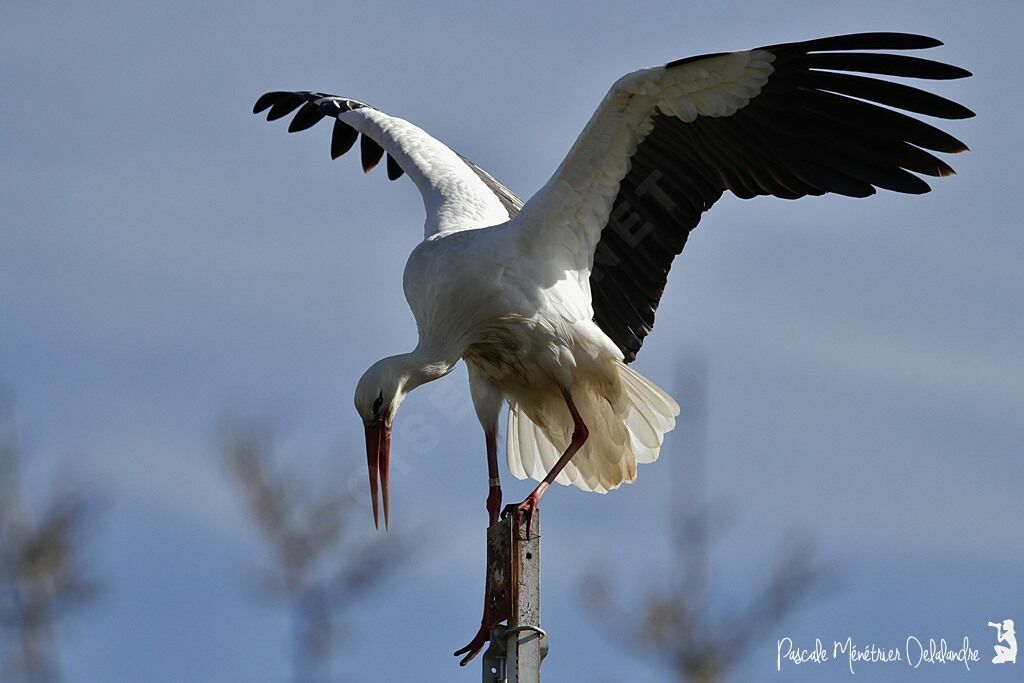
166, 256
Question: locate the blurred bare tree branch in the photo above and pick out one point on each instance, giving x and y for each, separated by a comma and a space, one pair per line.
320, 562
678, 626
42, 577
683, 624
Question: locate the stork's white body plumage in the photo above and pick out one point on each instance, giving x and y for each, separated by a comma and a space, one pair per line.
512, 299
526, 334
547, 302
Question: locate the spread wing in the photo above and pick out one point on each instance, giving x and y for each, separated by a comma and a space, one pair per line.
787, 120
457, 194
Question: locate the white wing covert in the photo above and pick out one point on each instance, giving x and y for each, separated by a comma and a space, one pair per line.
457, 194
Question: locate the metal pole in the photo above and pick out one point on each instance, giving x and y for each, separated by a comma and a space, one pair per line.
524, 635
513, 563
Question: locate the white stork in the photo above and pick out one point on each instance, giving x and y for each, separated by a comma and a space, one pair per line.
548, 301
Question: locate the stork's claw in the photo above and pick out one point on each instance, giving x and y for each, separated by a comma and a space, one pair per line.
523, 510
475, 645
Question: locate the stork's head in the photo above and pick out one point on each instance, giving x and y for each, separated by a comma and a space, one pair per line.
380, 391
378, 395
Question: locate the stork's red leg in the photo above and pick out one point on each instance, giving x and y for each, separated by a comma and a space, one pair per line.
472, 649
487, 622
532, 501
493, 480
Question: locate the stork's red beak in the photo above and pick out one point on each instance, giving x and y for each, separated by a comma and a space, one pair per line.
378, 461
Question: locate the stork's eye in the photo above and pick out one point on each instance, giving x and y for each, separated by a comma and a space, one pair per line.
378, 403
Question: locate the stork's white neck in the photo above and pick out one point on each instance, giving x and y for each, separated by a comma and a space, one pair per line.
420, 366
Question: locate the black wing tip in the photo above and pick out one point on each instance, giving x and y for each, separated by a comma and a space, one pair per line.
879, 40
280, 102
874, 40
342, 138
269, 99
283, 102
956, 73
923, 188
963, 113
308, 116
264, 102
912, 41
370, 152
394, 170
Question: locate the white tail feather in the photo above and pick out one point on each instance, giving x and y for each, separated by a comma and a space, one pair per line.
625, 431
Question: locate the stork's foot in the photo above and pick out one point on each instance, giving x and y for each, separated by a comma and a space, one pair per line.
523, 512
479, 640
